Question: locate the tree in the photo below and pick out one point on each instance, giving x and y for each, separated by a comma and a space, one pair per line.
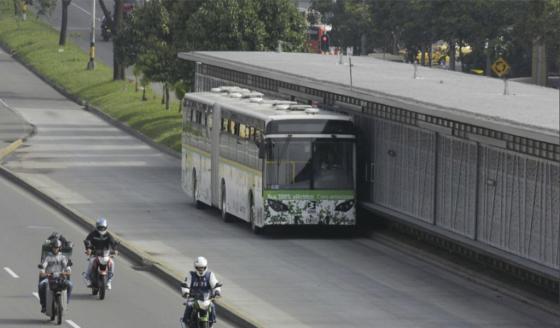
180, 89
351, 22
45, 7
118, 65
64, 22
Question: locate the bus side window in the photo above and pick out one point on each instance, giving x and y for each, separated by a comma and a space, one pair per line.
191, 112
205, 119
258, 136
225, 124
231, 128
209, 120
251, 133
243, 131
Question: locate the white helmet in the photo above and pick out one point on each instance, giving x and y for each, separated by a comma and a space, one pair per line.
200, 265
101, 226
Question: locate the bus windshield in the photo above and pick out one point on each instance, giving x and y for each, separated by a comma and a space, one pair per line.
310, 164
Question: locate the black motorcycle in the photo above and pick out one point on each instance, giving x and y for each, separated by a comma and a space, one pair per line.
105, 29
56, 296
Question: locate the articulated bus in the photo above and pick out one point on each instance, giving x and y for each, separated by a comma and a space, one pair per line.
268, 162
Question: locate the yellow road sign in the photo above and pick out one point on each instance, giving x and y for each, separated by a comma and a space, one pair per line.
500, 67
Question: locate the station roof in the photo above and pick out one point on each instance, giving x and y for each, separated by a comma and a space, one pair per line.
528, 110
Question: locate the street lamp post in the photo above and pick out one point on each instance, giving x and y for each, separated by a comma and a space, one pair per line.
91, 63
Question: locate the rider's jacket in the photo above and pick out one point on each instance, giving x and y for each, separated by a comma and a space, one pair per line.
199, 285
99, 241
55, 263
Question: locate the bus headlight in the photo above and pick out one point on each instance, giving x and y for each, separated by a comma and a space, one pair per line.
345, 206
277, 206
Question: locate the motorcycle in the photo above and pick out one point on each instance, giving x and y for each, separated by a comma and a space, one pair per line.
202, 308
56, 296
105, 30
100, 272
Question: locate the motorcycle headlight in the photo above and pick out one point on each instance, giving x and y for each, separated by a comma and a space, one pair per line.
204, 304
277, 206
345, 206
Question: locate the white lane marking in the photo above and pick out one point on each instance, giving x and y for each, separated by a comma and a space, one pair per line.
36, 295
3, 102
72, 323
82, 9
13, 274
39, 227
85, 11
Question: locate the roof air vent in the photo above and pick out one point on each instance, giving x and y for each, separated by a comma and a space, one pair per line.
312, 110
299, 108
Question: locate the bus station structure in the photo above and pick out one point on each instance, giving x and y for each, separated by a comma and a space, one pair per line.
471, 162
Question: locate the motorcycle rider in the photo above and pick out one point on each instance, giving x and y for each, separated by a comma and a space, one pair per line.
201, 281
54, 262
99, 239
48, 241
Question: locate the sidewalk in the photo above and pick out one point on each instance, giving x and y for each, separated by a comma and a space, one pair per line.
12, 129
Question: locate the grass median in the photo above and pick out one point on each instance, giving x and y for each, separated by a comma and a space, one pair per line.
36, 44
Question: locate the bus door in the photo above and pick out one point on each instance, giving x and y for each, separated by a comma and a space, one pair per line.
215, 155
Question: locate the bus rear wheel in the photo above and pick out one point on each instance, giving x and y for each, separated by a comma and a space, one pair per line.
197, 203
226, 217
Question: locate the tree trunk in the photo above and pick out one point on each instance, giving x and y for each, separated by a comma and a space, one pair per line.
488, 69
106, 12
430, 54
422, 57
166, 96
538, 62
118, 67
461, 55
363, 44
452, 59
64, 22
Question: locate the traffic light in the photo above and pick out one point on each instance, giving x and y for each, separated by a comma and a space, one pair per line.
325, 43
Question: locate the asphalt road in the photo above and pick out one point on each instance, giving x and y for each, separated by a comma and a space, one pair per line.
79, 27
137, 299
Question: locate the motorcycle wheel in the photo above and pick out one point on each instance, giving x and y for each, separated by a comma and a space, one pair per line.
204, 324
53, 310
59, 310
94, 291
102, 287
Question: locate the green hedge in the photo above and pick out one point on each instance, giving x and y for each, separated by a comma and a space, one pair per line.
36, 44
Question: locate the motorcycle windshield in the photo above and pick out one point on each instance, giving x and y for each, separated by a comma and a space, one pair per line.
102, 252
202, 296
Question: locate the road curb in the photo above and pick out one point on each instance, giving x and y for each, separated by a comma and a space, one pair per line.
467, 274
136, 255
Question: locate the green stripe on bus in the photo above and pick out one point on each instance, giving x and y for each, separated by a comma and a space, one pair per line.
308, 194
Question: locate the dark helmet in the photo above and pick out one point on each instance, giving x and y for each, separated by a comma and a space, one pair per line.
55, 235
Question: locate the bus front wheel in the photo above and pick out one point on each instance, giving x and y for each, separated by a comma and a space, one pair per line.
252, 216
